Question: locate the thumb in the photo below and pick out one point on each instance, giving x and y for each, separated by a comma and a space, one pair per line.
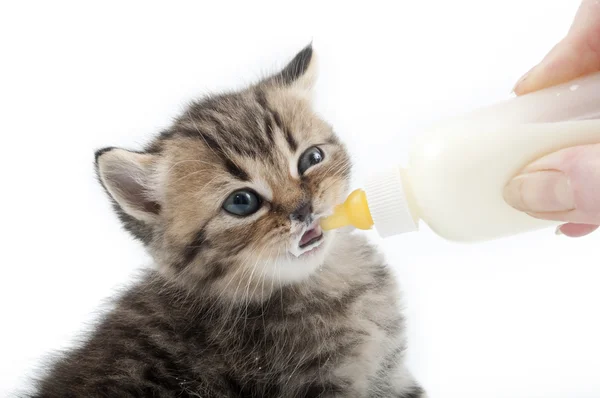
563, 186
578, 54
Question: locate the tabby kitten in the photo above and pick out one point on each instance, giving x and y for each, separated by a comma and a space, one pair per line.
249, 297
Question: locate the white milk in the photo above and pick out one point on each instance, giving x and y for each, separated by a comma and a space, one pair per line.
458, 169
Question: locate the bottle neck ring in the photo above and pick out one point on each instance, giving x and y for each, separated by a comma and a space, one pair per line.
389, 203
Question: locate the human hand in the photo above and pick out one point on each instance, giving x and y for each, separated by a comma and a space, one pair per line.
564, 186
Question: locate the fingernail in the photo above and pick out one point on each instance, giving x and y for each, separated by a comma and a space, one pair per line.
558, 231
540, 192
520, 82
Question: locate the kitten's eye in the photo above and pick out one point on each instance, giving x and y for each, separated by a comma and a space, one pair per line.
242, 203
309, 158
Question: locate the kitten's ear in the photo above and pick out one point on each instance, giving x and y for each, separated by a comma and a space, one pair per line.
300, 73
127, 177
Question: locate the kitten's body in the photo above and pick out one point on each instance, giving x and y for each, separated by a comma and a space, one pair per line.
230, 313
337, 334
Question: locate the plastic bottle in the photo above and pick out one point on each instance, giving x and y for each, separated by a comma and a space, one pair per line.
457, 170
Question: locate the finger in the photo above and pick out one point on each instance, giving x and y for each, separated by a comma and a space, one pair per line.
576, 230
578, 54
563, 186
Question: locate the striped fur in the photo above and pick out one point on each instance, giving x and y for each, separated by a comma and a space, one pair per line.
229, 311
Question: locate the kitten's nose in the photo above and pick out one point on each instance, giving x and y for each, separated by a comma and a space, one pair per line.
302, 212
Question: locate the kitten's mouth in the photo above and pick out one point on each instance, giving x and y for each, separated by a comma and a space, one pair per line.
311, 236
309, 242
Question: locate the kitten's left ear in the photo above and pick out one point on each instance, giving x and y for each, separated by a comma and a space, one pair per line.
300, 73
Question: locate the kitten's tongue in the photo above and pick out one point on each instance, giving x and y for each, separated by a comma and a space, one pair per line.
311, 235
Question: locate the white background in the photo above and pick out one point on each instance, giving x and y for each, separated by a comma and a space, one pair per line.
511, 318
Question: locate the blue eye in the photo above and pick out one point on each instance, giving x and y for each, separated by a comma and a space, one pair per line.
242, 203
309, 158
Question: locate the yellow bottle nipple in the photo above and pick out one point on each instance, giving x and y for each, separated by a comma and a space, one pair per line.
354, 211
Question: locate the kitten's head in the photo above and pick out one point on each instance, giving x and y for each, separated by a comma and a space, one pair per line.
233, 191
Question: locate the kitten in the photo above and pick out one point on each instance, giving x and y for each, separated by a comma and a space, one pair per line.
249, 297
